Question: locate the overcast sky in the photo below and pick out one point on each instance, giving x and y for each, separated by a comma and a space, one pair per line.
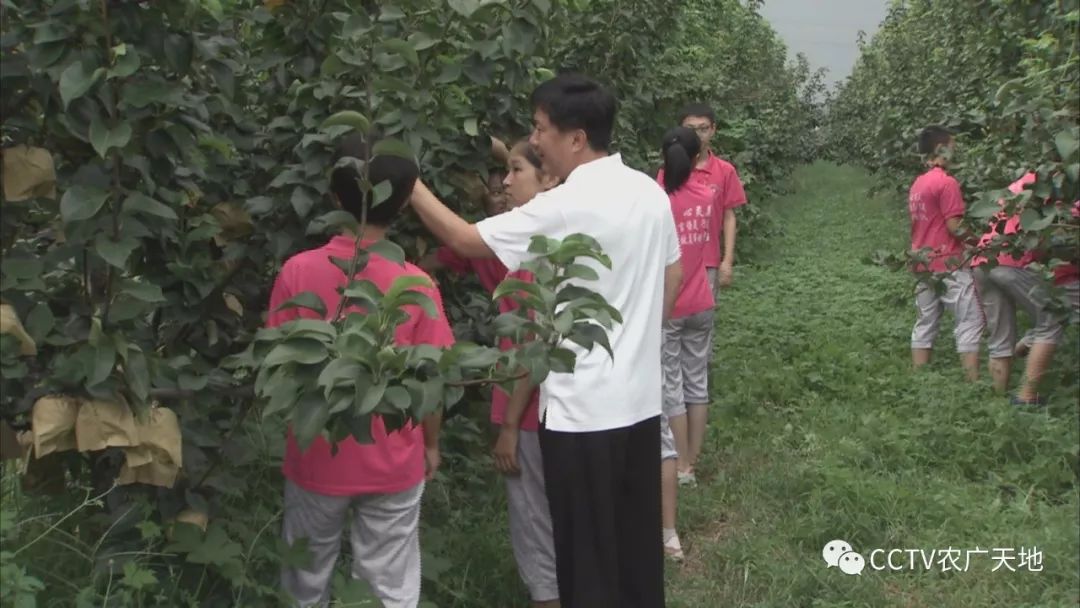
825, 30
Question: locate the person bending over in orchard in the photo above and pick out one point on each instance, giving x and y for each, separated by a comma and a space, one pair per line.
377, 486
600, 425
1067, 281
1011, 283
688, 332
937, 209
517, 449
723, 180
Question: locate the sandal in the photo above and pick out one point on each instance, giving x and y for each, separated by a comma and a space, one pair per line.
1039, 401
673, 549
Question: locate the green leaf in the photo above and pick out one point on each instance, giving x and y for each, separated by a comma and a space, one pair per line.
103, 364
370, 398
136, 577
76, 80
398, 397
465, 8
581, 271
126, 65
388, 250
140, 203
309, 418
40, 322
81, 203
115, 253
144, 292
393, 147
142, 93
104, 139
137, 374
1067, 144
305, 351
381, 193
307, 299
421, 41
471, 127
391, 13
403, 49
178, 52
406, 282
302, 201
348, 118
283, 391
339, 371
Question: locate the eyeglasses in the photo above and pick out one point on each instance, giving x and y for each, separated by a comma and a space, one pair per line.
700, 129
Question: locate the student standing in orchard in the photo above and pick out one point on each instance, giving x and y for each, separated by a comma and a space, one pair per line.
722, 180
381, 483
517, 449
937, 208
600, 425
688, 333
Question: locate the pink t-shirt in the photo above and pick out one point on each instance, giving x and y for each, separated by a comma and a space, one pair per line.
490, 273
1012, 226
395, 462
690, 208
727, 189
934, 199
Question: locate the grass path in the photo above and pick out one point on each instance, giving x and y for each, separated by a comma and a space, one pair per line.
821, 432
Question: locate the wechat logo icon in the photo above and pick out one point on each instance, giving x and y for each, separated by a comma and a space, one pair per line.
838, 553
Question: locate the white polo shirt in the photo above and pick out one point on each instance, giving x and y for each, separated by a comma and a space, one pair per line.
629, 214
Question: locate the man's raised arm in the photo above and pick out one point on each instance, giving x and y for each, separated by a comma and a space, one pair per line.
447, 226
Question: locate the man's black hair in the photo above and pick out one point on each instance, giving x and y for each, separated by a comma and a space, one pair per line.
402, 174
933, 137
697, 109
572, 101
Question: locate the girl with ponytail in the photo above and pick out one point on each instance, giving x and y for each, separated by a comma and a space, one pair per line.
688, 333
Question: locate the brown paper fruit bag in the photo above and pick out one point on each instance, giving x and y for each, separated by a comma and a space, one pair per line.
28, 173
53, 420
10, 324
104, 424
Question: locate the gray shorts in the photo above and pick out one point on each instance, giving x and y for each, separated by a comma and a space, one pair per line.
961, 299
1002, 290
1070, 295
385, 538
667, 440
530, 521
711, 274
686, 352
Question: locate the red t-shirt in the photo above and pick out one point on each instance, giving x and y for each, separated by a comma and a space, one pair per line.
690, 208
934, 199
727, 189
491, 272
1012, 226
395, 462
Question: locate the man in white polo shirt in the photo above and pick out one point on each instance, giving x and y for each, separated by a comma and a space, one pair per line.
600, 434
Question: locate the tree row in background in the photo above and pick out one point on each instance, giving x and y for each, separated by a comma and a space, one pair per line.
1005, 76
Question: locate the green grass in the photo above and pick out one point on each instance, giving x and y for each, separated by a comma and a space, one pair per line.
821, 431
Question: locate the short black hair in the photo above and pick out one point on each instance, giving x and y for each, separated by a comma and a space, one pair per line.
697, 109
402, 174
933, 137
573, 101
